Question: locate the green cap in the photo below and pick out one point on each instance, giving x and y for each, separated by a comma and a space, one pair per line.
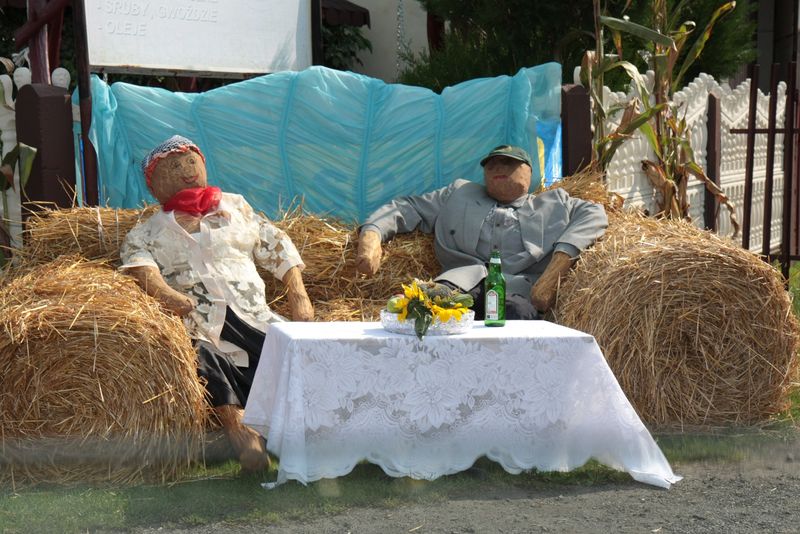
508, 151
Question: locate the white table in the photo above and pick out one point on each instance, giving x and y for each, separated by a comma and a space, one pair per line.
532, 394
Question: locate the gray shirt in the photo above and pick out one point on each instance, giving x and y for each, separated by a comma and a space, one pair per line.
468, 225
501, 231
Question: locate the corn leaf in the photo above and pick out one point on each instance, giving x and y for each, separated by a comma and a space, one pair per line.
715, 190
676, 13
650, 135
26, 156
8, 164
587, 66
637, 30
700, 43
616, 36
632, 72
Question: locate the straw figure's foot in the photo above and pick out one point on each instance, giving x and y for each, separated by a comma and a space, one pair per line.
246, 442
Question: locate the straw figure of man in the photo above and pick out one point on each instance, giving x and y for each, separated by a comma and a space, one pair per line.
539, 236
198, 257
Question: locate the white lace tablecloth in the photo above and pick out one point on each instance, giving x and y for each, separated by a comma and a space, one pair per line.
532, 394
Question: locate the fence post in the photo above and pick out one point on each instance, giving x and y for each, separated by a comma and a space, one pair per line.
317, 52
766, 233
750, 157
713, 161
44, 121
89, 164
576, 129
788, 236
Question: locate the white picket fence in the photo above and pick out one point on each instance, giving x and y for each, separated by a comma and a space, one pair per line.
628, 180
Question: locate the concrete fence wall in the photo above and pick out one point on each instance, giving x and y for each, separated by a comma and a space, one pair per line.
627, 178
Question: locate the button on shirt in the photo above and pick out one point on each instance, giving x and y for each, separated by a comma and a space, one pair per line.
500, 231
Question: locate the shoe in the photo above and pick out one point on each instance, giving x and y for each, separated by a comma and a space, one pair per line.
246, 442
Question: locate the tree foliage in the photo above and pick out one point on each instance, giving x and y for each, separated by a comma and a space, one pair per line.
341, 45
495, 37
731, 45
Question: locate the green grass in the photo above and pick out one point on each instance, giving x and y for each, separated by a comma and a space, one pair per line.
794, 287
724, 445
792, 414
222, 494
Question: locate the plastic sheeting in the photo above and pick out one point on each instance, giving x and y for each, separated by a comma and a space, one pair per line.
340, 143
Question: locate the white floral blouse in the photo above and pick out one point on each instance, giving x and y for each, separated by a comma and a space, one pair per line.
215, 266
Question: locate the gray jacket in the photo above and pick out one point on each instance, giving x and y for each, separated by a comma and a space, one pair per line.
455, 214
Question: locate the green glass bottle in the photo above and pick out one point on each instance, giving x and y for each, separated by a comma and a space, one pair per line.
495, 291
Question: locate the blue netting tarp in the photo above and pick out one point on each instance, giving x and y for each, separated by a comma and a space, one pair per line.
342, 143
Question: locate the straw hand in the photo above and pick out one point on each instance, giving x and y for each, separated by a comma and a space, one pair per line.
151, 281
368, 258
299, 303
545, 290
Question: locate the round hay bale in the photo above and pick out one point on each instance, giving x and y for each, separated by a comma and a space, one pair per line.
697, 330
97, 384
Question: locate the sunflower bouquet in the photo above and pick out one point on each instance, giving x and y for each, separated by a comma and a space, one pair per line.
428, 302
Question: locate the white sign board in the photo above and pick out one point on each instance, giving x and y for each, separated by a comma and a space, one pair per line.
199, 36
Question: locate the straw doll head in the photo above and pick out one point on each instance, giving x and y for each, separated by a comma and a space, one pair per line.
507, 173
176, 175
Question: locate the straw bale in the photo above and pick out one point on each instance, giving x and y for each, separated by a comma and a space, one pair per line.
337, 291
97, 384
588, 184
697, 330
93, 233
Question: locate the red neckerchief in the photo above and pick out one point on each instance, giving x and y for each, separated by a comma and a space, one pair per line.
195, 200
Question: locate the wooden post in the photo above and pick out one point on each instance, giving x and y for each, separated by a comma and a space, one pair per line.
44, 121
749, 157
713, 161
789, 176
766, 233
576, 129
88, 154
317, 52
39, 56
54, 30
50, 13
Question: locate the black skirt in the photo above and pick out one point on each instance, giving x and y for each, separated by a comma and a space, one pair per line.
226, 383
